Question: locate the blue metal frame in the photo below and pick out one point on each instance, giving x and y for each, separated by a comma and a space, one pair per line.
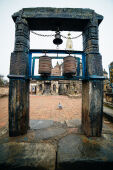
77, 77
32, 64
78, 66
33, 51
83, 65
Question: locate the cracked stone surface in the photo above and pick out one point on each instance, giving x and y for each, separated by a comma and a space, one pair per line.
41, 156
56, 148
49, 133
40, 124
77, 151
73, 123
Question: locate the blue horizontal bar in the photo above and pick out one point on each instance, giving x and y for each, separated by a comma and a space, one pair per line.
55, 51
54, 57
92, 77
56, 78
17, 77
96, 77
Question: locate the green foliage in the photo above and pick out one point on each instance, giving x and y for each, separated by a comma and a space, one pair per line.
2, 81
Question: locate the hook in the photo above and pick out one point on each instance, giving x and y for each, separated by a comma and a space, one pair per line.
45, 53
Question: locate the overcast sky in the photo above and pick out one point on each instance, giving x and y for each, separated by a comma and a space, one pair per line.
7, 27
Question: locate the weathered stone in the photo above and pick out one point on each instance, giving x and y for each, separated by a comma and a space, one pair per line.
73, 123
49, 133
85, 20
92, 108
94, 64
19, 63
22, 34
22, 40
19, 89
79, 152
92, 98
18, 107
20, 48
40, 124
77, 18
41, 156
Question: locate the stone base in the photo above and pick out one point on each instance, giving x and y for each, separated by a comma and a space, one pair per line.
56, 146
79, 152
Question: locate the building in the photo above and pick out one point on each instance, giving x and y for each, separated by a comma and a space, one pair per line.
60, 87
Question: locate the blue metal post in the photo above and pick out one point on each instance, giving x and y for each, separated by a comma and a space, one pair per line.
83, 65
78, 66
33, 66
30, 63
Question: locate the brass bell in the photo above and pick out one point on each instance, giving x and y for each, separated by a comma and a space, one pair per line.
57, 39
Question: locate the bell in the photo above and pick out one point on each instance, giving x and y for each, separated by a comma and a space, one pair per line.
57, 39
69, 43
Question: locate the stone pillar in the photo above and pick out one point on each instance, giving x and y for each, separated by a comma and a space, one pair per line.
92, 91
19, 87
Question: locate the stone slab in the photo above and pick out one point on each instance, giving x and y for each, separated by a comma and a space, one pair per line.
49, 18
108, 113
27, 155
79, 152
73, 123
49, 133
40, 124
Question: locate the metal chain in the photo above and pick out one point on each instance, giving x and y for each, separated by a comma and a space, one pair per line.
43, 35
51, 35
70, 37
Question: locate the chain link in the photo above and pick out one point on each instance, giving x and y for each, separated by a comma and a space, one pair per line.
51, 35
43, 35
71, 37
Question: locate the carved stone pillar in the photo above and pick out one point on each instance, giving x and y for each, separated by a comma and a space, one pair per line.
92, 91
19, 84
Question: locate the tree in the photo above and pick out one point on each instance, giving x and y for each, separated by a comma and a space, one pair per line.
2, 81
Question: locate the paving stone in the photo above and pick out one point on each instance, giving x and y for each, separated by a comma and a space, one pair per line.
78, 151
73, 123
45, 108
3, 130
39, 156
40, 124
49, 133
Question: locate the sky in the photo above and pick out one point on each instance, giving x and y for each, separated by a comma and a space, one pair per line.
7, 28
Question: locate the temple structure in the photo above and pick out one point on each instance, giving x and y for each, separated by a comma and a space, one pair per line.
66, 19
58, 87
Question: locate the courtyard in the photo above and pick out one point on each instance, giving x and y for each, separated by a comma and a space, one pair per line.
46, 108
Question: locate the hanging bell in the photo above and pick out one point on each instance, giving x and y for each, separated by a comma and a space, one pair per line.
57, 41
69, 43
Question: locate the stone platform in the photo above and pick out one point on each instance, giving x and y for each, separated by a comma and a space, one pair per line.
51, 145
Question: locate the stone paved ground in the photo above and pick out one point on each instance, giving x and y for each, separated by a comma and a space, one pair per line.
3, 111
52, 145
46, 107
